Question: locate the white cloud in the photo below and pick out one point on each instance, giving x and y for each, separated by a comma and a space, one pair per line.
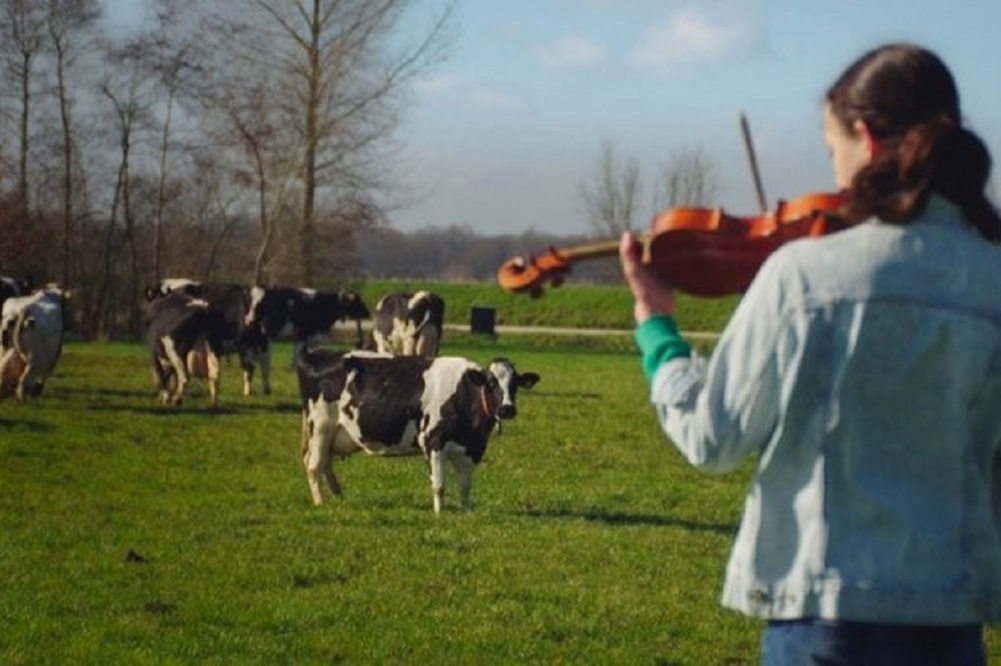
691, 37
571, 51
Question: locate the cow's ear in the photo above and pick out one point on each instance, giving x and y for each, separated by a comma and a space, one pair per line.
479, 378
528, 379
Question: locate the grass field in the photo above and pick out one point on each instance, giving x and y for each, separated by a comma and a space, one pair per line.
135, 534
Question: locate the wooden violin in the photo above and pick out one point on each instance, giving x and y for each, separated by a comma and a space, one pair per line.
699, 251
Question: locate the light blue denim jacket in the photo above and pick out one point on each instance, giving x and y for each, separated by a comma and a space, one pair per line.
864, 370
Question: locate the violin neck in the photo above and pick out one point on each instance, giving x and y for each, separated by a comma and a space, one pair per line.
591, 250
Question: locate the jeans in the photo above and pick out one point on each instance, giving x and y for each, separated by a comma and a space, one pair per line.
825, 643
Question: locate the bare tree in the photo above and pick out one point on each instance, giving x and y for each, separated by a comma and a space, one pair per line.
22, 26
69, 23
128, 93
338, 72
254, 147
172, 54
688, 178
611, 197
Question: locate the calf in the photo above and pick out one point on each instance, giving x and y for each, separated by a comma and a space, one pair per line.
409, 324
185, 337
444, 408
303, 314
31, 341
233, 302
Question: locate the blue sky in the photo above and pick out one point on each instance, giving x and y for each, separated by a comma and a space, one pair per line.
500, 136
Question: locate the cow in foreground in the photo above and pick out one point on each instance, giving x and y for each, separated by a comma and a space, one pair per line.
31, 341
444, 408
409, 324
185, 337
233, 303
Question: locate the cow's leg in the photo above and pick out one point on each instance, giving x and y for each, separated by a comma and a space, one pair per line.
212, 376
8, 374
436, 460
264, 360
248, 374
317, 458
180, 369
304, 438
464, 477
11, 370
25, 382
161, 376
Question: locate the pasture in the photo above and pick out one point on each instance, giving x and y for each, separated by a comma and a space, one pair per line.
137, 534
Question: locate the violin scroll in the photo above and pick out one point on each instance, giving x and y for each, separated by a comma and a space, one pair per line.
529, 274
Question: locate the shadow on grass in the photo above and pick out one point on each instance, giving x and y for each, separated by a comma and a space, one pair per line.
27, 425
619, 519
192, 405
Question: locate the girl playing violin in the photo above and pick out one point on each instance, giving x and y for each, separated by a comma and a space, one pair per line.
864, 369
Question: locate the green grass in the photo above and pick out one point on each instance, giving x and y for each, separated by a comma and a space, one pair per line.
573, 305
135, 534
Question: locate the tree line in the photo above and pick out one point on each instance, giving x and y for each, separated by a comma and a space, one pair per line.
246, 142
226, 141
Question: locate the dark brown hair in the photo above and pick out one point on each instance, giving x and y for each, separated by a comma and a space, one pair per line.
908, 99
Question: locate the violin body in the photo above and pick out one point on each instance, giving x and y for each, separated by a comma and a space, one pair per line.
699, 251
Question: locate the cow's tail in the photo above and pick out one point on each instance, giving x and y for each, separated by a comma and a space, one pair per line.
430, 312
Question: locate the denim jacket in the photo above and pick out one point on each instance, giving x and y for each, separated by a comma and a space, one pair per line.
864, 370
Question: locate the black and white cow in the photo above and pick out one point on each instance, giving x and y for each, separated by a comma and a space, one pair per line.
233, 302
185, 337
31, 341
409, 324
445, 408
304, 314
12, 286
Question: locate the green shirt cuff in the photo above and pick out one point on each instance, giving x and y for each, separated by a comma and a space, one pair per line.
659, 342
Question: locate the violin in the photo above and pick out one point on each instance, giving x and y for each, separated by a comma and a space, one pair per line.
703, 252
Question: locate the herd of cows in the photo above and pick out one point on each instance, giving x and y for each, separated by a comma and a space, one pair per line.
392, 395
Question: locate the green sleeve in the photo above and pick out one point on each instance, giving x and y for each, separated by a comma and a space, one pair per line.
659, 342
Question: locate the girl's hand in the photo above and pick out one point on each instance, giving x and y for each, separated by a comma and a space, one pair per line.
653, 296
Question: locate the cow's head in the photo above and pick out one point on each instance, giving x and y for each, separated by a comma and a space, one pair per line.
353, 307
503, 382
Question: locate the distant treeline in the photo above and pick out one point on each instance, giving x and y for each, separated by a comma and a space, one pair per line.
458, 253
